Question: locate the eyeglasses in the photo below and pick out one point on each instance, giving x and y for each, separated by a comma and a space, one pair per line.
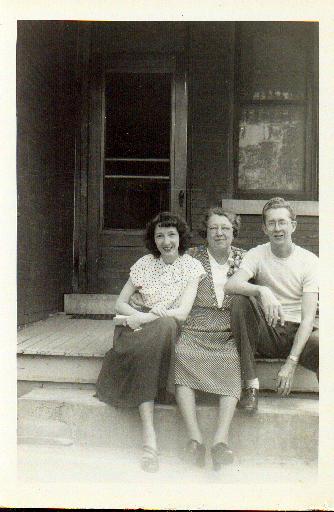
271, 224
226, 229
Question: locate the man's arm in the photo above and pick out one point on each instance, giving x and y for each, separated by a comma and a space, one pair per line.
238, 285
286, 373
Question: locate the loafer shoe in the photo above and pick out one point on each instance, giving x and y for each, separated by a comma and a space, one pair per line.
195, 453
221, 454
249, 400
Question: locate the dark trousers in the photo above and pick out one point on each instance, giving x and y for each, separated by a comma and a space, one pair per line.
254, 336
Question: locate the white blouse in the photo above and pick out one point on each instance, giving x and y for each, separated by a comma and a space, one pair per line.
160, 283
219, 277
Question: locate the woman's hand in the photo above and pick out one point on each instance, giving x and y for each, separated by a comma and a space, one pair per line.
134, 321
160, 311
136, 301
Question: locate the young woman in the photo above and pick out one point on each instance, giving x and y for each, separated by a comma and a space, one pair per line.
137, 366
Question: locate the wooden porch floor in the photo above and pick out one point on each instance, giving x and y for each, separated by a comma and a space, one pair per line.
63, 335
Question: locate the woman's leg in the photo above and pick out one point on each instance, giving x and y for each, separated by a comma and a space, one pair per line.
227, 405
220, 452
146, 415
185, 398
149, 460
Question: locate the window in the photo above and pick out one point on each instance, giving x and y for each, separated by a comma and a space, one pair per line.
275, 114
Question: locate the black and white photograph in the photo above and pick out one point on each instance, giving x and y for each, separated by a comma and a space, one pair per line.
167, 263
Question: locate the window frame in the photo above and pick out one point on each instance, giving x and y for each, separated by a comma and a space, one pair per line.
310, 103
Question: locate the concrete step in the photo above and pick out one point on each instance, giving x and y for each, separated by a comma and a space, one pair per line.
78, 369
115, 467
282, 428
89, 303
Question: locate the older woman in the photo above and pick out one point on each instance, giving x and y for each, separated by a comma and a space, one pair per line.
206, 354
137, 366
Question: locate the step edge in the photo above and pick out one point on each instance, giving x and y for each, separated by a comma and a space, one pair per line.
88, 402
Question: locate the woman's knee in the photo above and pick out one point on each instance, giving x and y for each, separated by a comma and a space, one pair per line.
167, 325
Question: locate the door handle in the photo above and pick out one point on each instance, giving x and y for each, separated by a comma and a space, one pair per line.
181, 198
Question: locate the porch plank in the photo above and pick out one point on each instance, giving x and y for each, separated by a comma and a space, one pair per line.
66, 349
98, 341
67, 337
52, 339
48, 326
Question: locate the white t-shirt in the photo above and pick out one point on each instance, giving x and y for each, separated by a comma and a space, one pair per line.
219, 277
287, 277
160, 283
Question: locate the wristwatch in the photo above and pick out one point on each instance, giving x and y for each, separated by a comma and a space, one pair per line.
295, 359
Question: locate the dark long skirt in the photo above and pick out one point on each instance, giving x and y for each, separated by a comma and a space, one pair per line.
139, 365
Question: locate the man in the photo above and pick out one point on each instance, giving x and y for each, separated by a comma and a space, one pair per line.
275, 316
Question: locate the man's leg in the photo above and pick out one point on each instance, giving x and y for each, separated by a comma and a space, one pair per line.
252, 334
309, 358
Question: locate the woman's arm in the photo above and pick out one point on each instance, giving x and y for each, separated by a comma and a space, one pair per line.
123, 307
186, 303
122, 304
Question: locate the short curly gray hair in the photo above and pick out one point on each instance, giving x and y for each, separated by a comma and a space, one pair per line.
218, 210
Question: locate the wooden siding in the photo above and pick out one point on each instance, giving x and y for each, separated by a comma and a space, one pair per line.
45, 164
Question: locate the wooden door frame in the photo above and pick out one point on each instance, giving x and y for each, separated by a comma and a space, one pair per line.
88, 191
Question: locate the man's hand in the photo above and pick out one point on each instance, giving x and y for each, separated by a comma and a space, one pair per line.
272, 308
285, 377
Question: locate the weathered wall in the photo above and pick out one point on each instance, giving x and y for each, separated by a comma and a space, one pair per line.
210, 169
209, 51
49, 111
45, 165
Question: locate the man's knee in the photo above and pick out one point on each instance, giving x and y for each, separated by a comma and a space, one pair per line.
310, 355
240, 304
314, 339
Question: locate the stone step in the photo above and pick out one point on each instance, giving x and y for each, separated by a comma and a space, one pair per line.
283, 428
116, 467
79, 370
89, 304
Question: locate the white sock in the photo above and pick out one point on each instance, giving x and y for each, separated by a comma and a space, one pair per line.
252, 383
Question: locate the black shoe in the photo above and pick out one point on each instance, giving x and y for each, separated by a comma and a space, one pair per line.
195, 453
221, 455
249, 400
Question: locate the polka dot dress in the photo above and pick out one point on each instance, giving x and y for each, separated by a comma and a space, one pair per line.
206, 353
160, 283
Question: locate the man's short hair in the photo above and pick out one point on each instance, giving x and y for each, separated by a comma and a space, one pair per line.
277, 202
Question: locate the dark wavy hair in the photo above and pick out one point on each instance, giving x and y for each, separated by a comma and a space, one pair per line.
166, 220
218, 210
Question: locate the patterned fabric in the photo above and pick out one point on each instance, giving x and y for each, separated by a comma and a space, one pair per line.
206, 353
141, 362
160, 283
